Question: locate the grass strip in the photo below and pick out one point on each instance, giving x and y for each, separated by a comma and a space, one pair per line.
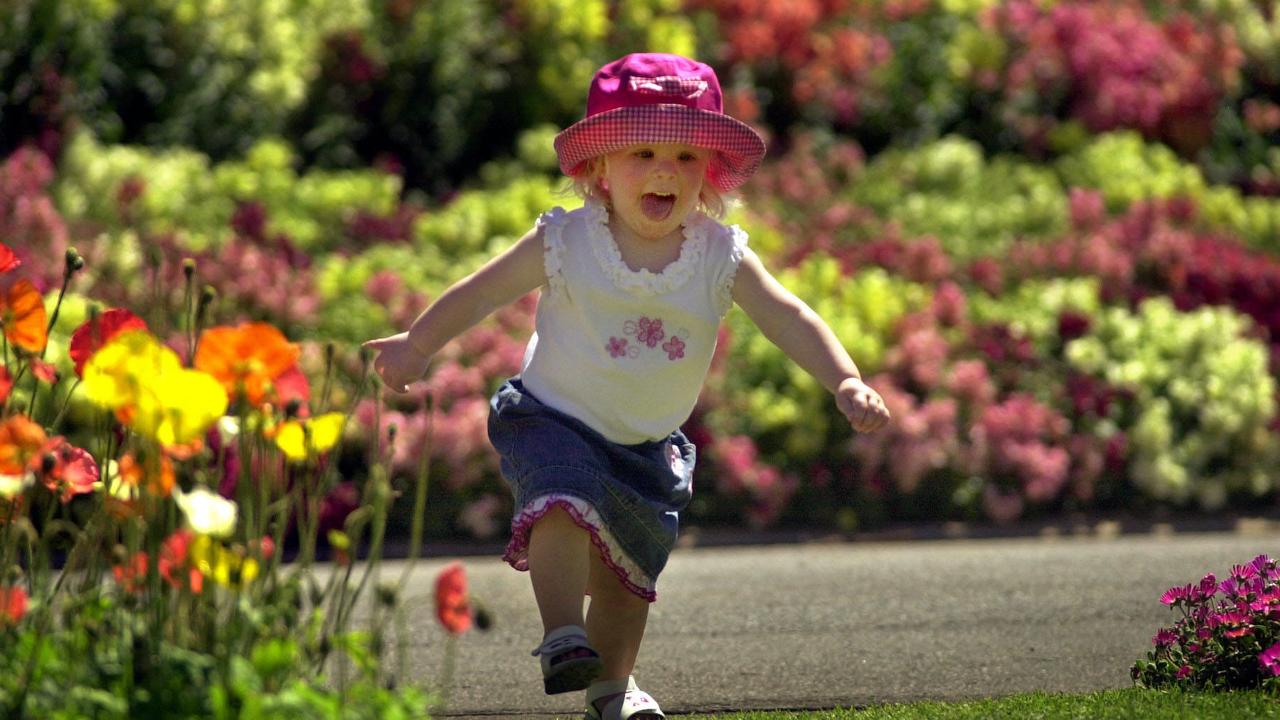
1128, 704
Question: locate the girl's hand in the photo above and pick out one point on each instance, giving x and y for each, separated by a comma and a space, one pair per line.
863, 406
397, 362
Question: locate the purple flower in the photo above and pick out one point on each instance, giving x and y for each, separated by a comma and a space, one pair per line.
1176, 595
1269, 659
1184, 672
1208, 588
1229, 587
1243, 573
1164, 638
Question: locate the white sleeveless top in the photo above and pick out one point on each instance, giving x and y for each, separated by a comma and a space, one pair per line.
627, 351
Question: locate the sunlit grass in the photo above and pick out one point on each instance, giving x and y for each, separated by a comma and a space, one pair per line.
1107, 705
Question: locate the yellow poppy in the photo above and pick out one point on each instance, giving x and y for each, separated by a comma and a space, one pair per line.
145, 384
300, 439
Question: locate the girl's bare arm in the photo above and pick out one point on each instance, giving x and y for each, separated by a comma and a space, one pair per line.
800, 333
502, 280
791, 324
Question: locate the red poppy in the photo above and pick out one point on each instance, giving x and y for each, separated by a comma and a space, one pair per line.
292, 384
174, 559
22, 316
6, 384
8, 261
453, 609
266, 547
94, 333
66, 469
132, 576
13, 605
45, 372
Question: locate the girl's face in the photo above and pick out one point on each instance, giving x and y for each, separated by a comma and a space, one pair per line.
654, 187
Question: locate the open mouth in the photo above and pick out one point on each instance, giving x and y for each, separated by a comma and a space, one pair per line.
657, 206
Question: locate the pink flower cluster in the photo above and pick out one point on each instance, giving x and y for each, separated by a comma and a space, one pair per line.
1226, 637
741, 472
447, 414
1111, 66
29, 222
1020, 443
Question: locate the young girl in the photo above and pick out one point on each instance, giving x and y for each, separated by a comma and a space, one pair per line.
634, 286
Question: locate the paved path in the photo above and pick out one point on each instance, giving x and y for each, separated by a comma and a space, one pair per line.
850, 624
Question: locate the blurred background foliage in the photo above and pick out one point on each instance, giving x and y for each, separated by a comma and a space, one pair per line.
1047, 229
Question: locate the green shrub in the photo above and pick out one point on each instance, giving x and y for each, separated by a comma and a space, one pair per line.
768, 397
972, 205
183, 192
1203, 400
1126, 169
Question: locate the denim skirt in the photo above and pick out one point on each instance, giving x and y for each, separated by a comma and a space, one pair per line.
627, 497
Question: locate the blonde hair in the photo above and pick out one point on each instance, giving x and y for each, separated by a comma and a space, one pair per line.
586, 184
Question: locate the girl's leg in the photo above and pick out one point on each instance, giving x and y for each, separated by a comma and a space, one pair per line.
615, 620
558, 566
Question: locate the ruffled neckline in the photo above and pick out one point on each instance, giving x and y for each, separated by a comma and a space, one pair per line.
645, 282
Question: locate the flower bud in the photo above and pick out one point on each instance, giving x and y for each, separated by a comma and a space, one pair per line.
388, 594
73, 260
188, 268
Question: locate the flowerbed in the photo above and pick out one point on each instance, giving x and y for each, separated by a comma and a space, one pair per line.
144, 543
986, 201
1227, 636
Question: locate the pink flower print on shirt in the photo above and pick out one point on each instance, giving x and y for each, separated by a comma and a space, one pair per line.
650, 332
617, 347
674, 348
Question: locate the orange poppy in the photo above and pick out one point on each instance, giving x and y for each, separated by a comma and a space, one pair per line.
20, 444
453, 609
157, 479
96, 332
247, 359
22, 316
128, 477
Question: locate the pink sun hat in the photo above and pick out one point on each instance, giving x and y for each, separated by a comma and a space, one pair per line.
660, 98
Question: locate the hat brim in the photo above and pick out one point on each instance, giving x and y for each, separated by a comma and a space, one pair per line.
739, 149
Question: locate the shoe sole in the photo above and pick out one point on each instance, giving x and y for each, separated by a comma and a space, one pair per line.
573, 675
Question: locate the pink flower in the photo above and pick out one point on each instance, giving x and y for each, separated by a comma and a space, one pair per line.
617, 347
1176, 595
650, 332
1164, 638
1208, 588
674, 348
1235, 624
1269, 659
